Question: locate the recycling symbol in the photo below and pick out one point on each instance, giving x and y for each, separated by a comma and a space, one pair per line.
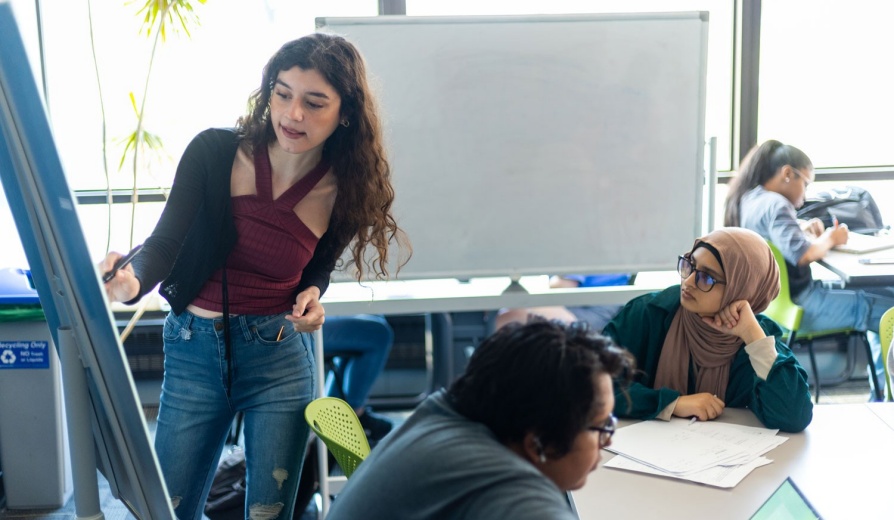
7, 358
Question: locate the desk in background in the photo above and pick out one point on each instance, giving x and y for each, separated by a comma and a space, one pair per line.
479, 294
854, 274
841, 462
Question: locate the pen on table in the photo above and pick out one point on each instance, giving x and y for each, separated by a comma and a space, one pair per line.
279, 336
693, 419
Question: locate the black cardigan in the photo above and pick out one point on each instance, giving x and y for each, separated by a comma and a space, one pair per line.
196, 232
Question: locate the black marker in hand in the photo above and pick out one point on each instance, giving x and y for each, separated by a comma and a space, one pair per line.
123, 261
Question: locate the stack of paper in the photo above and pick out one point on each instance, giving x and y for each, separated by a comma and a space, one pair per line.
713, 453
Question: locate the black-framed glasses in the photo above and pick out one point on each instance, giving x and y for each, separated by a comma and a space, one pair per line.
802, 177
703, 281
606, 430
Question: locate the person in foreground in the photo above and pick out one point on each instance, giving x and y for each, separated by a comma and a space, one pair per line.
763, 197
256, 220
522, 426
701, 345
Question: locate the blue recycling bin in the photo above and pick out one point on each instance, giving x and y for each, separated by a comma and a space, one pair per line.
34, 458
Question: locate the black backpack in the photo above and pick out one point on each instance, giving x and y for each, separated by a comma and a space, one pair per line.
851, 205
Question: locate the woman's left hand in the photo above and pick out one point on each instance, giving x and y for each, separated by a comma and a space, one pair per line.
308, 314
812, 228
737, 319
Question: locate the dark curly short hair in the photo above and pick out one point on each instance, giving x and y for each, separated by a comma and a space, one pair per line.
538, 377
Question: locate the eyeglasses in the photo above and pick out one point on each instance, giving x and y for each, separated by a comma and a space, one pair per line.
704, 281
802, 177
606, 430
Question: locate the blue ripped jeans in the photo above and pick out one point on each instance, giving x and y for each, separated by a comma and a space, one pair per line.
270, 381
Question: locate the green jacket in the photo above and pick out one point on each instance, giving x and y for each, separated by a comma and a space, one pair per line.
782, 401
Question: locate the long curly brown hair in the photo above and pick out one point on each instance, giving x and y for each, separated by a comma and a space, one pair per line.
362, 211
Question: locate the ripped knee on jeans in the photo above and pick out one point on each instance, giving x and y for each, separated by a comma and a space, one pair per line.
265, 511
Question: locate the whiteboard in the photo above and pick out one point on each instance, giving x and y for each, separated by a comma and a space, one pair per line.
549, 144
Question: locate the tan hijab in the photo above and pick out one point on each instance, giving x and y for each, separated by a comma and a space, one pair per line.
751, 274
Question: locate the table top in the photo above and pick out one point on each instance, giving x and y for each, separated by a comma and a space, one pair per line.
855, 274
478, 294
841, 462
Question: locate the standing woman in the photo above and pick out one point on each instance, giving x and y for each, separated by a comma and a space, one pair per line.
702, 345
256, 220
764, 196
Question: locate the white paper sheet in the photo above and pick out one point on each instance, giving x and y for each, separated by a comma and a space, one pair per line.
683, 449
718, 476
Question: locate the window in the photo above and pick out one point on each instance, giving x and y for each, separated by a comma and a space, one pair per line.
825, 79
196, 82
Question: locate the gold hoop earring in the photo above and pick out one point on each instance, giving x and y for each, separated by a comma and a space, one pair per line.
345, 123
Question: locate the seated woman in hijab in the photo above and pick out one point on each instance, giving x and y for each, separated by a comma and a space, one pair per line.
702, 346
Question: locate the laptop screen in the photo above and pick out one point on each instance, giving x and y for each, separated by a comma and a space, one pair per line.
786, 503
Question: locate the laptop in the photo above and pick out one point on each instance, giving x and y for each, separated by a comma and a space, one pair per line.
786, 503
858, 243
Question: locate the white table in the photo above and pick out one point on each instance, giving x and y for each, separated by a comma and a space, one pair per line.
478, 294
842, 463
854, 274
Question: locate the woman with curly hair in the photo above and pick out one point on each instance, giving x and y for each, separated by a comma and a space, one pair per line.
256, 221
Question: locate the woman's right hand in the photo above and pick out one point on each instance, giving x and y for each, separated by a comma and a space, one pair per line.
837, 234
124, 286
704, 406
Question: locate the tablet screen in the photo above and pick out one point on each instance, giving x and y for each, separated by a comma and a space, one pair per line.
786, 503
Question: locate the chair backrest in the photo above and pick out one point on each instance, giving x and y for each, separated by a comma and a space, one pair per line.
886, 332
785, 312
336, 423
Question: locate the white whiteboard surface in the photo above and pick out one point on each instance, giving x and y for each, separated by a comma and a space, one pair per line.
524, 145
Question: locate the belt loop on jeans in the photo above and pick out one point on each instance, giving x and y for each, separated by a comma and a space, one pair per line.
185, 318
243, 325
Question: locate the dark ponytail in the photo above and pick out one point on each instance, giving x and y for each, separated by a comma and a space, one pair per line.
759, 166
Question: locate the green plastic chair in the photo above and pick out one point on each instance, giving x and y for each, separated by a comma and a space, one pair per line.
336, 423
787, 314
886, 331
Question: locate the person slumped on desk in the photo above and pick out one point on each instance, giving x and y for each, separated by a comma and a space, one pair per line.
522, 426
764, 196
702, 346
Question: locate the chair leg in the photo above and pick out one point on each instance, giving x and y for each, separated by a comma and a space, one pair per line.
876, 388
813, 367
816, 377
337, 374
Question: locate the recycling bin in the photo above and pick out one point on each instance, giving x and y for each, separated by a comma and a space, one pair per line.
34, 458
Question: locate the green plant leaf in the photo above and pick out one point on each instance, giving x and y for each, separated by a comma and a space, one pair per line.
160, 14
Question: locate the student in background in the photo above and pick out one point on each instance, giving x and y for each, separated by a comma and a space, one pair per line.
701, 346
522, 426
255, 222
595, 315
764, 196
368, 338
